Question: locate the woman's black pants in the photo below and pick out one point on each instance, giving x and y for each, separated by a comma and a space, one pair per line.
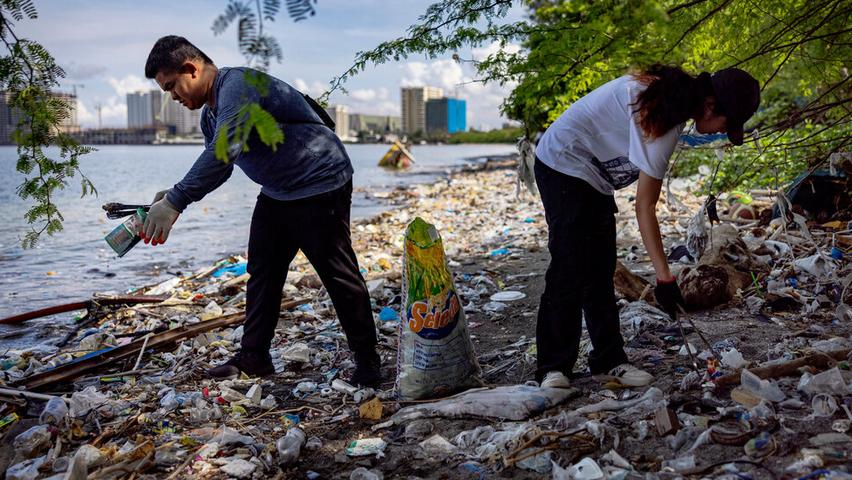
579, 279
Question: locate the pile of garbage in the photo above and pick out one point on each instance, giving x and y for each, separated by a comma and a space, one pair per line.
753, 384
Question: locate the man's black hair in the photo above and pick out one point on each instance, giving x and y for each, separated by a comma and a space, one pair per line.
169, 53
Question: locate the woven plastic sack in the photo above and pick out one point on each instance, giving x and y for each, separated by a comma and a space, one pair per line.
435, 355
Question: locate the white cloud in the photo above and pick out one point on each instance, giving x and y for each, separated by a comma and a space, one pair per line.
446, 74
481, 53
364, 94
129, 84
114, 108
314, 89
113, 113
85, 116
84, 71
374, 101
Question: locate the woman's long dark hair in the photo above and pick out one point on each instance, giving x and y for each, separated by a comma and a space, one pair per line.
671, 97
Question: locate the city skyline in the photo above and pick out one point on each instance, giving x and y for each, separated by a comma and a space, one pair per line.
105, 50
425, 111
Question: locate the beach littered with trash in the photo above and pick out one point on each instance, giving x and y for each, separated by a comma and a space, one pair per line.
759, 388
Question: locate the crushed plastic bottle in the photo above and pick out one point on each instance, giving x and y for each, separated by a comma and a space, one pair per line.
362, 473
824, 405
680, 464
765, 389
54, 413
26, 470
31, 442
833, 382
290, 445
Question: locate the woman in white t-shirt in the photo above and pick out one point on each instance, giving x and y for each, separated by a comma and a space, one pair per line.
621, 132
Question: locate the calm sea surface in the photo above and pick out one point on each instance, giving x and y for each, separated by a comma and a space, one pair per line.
76, 263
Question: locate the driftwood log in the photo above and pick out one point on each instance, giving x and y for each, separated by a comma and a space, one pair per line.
816, 360
630, 285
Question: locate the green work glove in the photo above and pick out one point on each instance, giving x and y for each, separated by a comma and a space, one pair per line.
669, 297
161, 216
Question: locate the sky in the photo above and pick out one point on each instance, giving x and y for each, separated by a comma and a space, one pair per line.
103, 45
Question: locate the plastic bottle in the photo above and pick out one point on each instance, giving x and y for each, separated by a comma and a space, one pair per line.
54, 412
362, 473
290, 445
32, 441
125, 236
764, 389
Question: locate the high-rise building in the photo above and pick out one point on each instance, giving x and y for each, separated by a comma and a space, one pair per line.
9, 117
446, 115
182, 119
340, 115
69, 124
414, 107
155, 108
140, 110
374, 124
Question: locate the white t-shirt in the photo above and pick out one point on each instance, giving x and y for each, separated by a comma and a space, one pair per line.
598, 139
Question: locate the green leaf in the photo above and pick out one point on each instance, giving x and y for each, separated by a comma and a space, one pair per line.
222, 144
267, 127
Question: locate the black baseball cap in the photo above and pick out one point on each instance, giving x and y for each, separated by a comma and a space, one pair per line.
738, 96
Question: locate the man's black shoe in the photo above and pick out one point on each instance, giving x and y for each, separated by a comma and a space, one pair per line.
253, 364
368, 370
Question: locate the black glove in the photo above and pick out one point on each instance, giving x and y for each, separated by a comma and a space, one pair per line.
669, 297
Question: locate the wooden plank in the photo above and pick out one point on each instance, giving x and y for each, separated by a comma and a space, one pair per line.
70, 307
72, 370
816, 360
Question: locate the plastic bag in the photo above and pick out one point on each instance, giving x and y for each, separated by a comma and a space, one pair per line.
510, 402
84, 401
834, 382
435, 353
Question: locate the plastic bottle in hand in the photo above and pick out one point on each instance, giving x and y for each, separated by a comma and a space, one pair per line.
125, 236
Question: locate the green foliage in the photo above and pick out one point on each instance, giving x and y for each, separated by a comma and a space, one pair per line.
27, 74
798, 49
259, 49
504, 135
446, 26
235, 137
300, 9
251, 117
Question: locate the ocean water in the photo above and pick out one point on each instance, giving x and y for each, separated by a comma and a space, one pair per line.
77, 262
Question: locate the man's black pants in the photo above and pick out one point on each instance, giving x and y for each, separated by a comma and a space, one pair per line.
319, 226
581, 240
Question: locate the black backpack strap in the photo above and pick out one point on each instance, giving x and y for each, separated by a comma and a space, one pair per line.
324, 116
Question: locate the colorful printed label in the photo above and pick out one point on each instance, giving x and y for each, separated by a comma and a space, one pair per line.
434, 321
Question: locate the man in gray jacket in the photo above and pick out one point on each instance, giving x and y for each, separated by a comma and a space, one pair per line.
304, 201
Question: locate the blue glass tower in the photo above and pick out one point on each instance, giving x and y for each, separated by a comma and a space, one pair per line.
446, 115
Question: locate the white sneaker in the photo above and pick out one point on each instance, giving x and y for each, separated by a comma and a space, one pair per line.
627, 374
555, 380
